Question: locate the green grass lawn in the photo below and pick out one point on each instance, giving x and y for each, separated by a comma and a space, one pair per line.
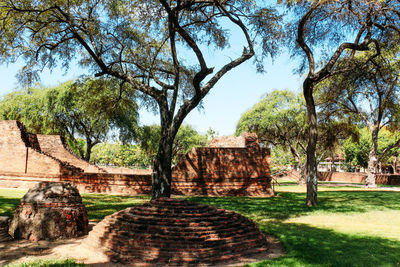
351, 226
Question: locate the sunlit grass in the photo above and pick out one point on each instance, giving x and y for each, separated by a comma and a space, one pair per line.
372, 223
100, 205
47, 263
9, 199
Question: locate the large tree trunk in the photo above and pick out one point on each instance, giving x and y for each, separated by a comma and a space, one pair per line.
88, 151
161, 176
373, 159
311, 162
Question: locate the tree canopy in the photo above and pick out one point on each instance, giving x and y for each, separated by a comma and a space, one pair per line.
369, 93
279, 119
155, 46
186, 138
327, 31
93, 109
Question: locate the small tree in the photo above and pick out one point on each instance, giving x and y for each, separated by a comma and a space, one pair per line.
155, 46
371, 93
357, 152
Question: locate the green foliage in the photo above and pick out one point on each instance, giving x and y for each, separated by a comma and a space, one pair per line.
120, 155
160, 48
281, 157
279, 119
91, 109
48, 263
185, 140
98, 205
357, 153
271, 118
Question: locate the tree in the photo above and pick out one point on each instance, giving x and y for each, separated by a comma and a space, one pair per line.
142, 43
325, 26
279, 119
185, 140
119, 155
371, 93
357, 152
88, 108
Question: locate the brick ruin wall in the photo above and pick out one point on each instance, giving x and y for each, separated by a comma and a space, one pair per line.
19, 153
26, 159
224, 171
56, 146
352, 177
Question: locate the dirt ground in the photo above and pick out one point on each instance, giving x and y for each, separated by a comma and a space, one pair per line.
25, 251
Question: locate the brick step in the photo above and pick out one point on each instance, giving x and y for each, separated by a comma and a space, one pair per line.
181, 222
180, 260
208, 247
222, 231
156, 240
175, 232
167, 208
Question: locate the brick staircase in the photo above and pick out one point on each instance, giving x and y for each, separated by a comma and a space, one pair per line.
176, 232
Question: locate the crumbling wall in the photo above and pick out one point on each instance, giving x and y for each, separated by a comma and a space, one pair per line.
245, 140
243, 169
55, 146
354, 177
223, 171
19, 152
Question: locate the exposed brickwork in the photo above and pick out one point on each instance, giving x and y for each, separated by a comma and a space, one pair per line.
224, 171
245, 140
111, 183
231, 166
55, 146
50, 211
350, 177
175, 232
353, 177
17, 155
122, 170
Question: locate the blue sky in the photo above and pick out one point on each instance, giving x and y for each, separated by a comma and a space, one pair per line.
235, 93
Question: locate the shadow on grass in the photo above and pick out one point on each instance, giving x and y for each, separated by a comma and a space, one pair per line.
100, 205
8, 205
322, 247
289, 205
311, 246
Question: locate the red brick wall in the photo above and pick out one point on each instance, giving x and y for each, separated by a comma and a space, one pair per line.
26, 159
55, 146
40, 163
111, 183
352, 177
17, 154
349, 177
223, 171
12, 148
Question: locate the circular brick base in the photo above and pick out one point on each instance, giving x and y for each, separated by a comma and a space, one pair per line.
176, 232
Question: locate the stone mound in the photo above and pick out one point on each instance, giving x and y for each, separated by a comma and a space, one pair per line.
176, 232
50, 211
